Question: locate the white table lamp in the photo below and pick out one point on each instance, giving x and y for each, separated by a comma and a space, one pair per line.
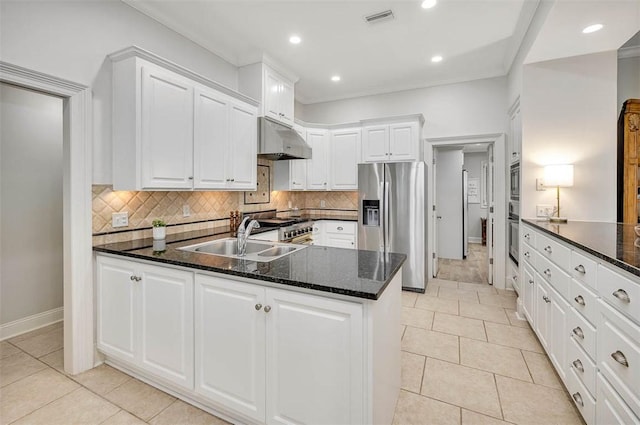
560, 175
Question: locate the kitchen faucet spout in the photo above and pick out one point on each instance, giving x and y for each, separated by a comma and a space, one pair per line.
243, 234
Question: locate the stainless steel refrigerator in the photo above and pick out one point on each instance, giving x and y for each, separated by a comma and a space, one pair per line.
392, 215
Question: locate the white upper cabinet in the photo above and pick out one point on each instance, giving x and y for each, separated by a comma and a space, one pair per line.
274, 91
318, 165
344, 155
395, 141
176, 130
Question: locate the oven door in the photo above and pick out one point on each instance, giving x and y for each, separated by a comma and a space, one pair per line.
306, 239
514, 239
514, 185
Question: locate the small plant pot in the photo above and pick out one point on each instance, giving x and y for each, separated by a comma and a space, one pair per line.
159, 232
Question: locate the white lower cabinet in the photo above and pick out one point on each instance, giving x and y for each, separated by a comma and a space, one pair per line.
276, 356
145, 317
543, 311
528, 293
336, 234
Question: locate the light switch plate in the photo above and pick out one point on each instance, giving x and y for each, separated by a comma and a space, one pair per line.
323, 204
186, 210
544, 210
120, 219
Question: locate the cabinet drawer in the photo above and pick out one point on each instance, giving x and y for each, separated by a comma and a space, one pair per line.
619, 354
528, 254
582, 332
557, 278
559, 254
585, 403
341, 227
582, 365
584, 301
584, 269
611, 408
529, 236
619, 291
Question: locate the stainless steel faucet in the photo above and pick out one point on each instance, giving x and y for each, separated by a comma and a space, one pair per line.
243, 234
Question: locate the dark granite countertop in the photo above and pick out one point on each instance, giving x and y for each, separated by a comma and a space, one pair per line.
614, 243
361, 274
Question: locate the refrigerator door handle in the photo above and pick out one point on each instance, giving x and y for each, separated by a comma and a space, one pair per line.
386, 223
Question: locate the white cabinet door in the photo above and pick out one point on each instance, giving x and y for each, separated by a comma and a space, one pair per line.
558, 336
339, 241
528, 294
243, 144
404, 142
317, 178
230, 350
298, 174
211, 140
116, 308
543, 311
318, 233
167, 130
166, 323
271, 94
344, 158
286, 102
314, 360
375, 143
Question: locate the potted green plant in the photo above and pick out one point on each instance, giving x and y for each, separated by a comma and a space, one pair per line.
159, 229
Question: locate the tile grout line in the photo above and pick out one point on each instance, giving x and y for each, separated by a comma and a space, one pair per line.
495, 382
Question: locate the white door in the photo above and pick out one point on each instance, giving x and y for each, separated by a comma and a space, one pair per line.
435, 217
375, 143
317, 166
230, 344
449, 202
298, 174
244, 147
166, 323
344, 158
167, 130
490, 213
404, 142
211, 140
271, 95
314, 360
542, 307
116, 308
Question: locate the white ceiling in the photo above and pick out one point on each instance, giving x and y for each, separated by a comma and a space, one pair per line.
477, 38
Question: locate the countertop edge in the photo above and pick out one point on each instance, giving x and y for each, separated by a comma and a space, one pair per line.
614, 261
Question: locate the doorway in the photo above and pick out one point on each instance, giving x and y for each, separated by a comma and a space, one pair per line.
467, 209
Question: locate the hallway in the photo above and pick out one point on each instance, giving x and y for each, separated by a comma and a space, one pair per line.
472, 270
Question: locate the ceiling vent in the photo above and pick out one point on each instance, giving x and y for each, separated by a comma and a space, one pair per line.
387, 15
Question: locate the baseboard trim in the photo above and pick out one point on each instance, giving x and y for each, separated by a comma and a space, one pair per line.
473, 239
30, 323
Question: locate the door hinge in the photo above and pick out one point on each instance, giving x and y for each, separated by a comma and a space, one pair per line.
490, 260
434, 207
433, 255
434, 161
491, 210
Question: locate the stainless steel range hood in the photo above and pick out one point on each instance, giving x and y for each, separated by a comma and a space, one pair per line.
279, 142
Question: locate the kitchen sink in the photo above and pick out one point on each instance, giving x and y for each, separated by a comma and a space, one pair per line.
256, 250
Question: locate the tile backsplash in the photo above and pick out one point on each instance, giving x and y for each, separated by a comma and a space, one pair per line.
208, 209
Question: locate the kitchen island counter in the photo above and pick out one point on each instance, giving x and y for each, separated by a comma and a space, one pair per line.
356, 273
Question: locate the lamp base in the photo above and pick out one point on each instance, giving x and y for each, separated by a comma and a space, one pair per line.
557, 219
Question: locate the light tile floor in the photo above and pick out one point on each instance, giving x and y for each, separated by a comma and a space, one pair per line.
472, 269
466, 359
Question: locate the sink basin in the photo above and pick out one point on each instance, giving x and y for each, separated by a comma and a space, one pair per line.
256, 250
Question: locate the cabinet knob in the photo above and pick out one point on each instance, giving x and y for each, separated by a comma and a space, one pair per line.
267, 308
135, 278
340, 228
547, 273
353, 243
190, 177
527, 254
577, 331
578, 365
620, 358
622, 295
580, 300
258, 306
547, 249
580, 269
546, 299
578, 398
531, 281
527, 236
233, 180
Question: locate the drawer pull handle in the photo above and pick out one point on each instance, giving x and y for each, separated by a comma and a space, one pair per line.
531, 281
546, 299
526, 254
578, 332
547, 249
580, 269
547, 273
578, 398
578, 365
267, 308
579, 300
258, 306
622, 295
527, 236
340, 228
620, 358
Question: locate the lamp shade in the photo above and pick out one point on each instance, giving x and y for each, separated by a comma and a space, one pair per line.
558, 175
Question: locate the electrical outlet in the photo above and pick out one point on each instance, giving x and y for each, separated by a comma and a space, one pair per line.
544, 210
186, 210
323, 204
120, 219
540, 185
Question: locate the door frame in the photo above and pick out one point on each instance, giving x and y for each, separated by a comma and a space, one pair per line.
79, 352
500, 196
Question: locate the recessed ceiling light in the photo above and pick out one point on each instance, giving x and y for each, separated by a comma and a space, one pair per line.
335, 78
428, 4
436, 59
592, 28
294, 39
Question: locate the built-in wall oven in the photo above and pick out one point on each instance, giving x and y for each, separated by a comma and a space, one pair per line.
514, 230
514, 185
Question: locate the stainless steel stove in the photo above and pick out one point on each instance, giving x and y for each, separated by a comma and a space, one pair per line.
294, 229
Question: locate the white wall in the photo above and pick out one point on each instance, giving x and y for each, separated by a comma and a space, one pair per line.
473, 165
31, 203
628, 80
71, 40
569, 114
469, 108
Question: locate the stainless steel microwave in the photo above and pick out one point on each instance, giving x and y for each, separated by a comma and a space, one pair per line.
514, 185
